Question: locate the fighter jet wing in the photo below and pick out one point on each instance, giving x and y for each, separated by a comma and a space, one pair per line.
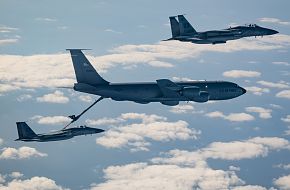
168, 88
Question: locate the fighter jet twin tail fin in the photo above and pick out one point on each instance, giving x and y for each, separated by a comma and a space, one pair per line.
181, 27
24, 131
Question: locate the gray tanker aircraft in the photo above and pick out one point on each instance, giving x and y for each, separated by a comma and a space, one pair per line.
183, 31
164, 91
25, 133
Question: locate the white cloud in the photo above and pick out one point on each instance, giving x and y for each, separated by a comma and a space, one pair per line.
86, 98
16, 175
51, 120
24, 97
281, 63
249, 187
8, 41
286, 119
179, 169
178, 79
136, 135
274, 85
276, 106
34, 183
55, 70
283, 166
112, 31
283, 94
46, 19
257, 90
241, 73
235, 117
2, 179
273, 143
104, 121
160, 64
56, 97
287, 132
234, 168
234, 150
23, 152
283, 182
1, 141
274, 20
7, 29
36, 71
7, 87
263, 113
179, 109
171, 177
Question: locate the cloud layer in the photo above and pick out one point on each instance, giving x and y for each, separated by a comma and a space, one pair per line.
263, 113
34, 183
23, 152
180, 169
56, 97
235, 117
51, 120
56, 70
241, 73
136, 135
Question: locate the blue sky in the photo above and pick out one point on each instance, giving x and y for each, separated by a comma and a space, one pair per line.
236, 144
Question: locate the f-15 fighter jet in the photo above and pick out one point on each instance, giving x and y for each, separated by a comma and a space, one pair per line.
25, 133
183, 31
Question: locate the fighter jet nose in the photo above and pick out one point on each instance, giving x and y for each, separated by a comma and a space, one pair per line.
99, 130
271, 32
243, 90
275, 32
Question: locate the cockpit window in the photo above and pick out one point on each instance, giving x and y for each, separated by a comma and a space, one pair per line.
252, 25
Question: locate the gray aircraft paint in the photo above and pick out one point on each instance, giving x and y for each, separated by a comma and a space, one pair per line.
163, 90
25, 133
183, 31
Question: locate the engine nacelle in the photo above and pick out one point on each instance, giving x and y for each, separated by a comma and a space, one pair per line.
190, 92
194, 94
170, 103
203, 97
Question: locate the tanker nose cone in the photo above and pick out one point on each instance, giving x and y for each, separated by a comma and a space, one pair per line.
243, 90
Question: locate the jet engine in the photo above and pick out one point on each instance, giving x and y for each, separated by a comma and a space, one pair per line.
203, 97
170, 103
194, 94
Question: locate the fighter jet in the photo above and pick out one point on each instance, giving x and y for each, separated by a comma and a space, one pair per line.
164, 91
25, 133
183, 31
